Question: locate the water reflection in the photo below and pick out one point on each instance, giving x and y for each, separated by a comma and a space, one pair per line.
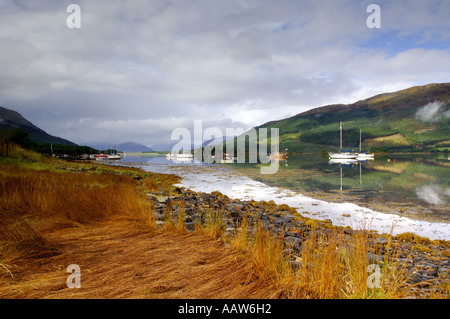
416, 186
433, 194
342, 162
407, 184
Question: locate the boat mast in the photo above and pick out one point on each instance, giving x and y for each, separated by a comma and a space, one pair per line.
360, 140
340, 124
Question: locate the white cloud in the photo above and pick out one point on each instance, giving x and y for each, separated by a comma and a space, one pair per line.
247, 61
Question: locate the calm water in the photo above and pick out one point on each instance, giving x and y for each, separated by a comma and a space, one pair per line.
409, 187
413, 185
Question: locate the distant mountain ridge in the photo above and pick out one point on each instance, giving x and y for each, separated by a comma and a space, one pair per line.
126, 147
417, 118
10, 120
131, 147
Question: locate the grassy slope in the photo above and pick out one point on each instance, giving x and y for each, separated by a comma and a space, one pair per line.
391, 114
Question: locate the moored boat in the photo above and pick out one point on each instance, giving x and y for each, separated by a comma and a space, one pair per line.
114, 157
106, 157
364, 155
342, 154
101, 157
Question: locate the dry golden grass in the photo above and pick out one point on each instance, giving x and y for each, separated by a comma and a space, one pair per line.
125, 259
76, 197
104, 223
332, 266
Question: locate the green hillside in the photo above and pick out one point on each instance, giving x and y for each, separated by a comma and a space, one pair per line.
414, 119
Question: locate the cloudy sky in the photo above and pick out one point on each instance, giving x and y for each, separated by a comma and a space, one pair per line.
135, 70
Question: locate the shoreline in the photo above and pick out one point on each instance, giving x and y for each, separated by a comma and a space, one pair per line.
424, 263
141, 196
238, 186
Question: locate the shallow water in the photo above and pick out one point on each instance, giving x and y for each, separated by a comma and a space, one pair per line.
416, 186
408, 194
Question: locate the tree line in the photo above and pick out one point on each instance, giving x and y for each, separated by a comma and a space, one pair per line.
10, 138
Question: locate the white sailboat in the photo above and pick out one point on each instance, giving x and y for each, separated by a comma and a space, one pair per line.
114, 156
363, 155
342, 154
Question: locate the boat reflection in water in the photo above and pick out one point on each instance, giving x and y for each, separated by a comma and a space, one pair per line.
364, 156
350, 162
343, 161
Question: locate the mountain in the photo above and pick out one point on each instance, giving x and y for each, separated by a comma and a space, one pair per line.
162, 147
131, 147
127, 147
414, 119
10, 120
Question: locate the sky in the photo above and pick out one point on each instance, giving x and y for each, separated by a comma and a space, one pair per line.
137, 70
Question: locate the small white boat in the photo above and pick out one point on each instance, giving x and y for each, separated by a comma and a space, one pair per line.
342, 154
108, 157
364, 155
101, 157
114, 157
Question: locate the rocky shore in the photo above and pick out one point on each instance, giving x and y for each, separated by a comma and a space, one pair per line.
426, 262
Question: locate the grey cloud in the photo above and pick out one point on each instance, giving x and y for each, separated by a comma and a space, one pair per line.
135, 63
